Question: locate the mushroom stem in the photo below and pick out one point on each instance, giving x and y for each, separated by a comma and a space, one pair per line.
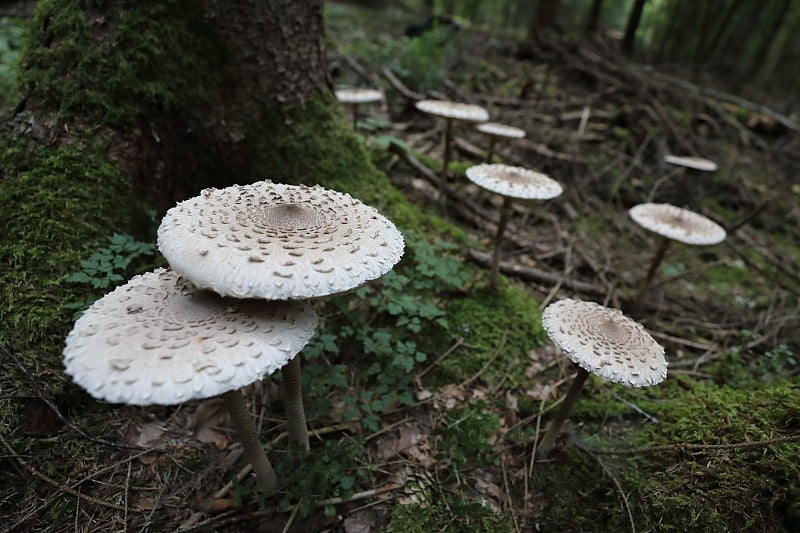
651, 272
355, 116
248, 435
293, 404
443, 187
546, 444
505, 214
490, 149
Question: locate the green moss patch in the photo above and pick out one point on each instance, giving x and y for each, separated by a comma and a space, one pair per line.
693, 471
54, 214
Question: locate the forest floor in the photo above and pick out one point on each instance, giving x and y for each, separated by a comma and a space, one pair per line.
459, 456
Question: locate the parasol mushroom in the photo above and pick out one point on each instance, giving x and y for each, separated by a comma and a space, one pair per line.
275, 241
691, 165
356, 96
159, 340
604, 342
672, 223
510, 182
495, 131
450, 111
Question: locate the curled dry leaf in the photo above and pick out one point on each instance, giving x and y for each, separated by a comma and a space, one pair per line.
208, 418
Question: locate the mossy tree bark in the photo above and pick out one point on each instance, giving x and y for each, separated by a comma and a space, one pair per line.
128, 104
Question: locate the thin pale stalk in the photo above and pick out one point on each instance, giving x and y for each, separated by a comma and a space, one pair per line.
490, 149
549, 439
443, 186
651, 272
293, 404
505, 214
248, 435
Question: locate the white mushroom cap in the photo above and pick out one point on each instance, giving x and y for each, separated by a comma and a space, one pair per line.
696, 163
276, 241
516, 182
454, 110
159, 340
495, 129
677, 223
358, 96
605, 342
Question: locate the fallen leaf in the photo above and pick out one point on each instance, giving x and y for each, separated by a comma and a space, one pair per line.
208, 418
143, 435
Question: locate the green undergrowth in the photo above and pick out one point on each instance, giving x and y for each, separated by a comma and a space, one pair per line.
675, 487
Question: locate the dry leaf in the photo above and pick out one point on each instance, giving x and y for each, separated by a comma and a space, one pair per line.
208, 418
144, 435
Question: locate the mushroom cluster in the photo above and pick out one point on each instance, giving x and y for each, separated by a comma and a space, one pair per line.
603, 341
276, 242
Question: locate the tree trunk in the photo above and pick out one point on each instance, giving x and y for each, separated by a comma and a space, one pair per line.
712, 43
633, 24
545, 16
594, 16
154, 101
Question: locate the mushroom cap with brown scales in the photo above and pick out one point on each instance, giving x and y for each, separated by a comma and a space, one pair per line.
695, 163
159, 340
678, 224
605, 342
453, 110
514, 182
357, 95
275, 241
495, 129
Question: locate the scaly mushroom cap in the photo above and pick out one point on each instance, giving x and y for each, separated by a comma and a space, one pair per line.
159, 340
695, 163
677, 223
276, 241
605, 342
358, 96
495, 129
515, 182
454, 110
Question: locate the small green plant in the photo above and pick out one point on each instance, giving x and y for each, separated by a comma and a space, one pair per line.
466, 437
108, 266
332, 471
382, 329
455, 514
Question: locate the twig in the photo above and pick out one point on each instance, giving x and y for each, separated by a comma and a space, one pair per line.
54, 483
40, 395
614, 479
698, 447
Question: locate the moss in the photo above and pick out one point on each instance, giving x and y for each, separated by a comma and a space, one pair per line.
503, 325
454, 516
684, 489
55, 213
150, 60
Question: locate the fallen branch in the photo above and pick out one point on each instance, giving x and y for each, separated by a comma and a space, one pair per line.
534, 274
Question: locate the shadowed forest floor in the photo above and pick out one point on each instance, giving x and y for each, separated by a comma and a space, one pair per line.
714, 448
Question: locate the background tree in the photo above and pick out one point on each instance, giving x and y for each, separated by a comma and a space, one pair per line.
633, 24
